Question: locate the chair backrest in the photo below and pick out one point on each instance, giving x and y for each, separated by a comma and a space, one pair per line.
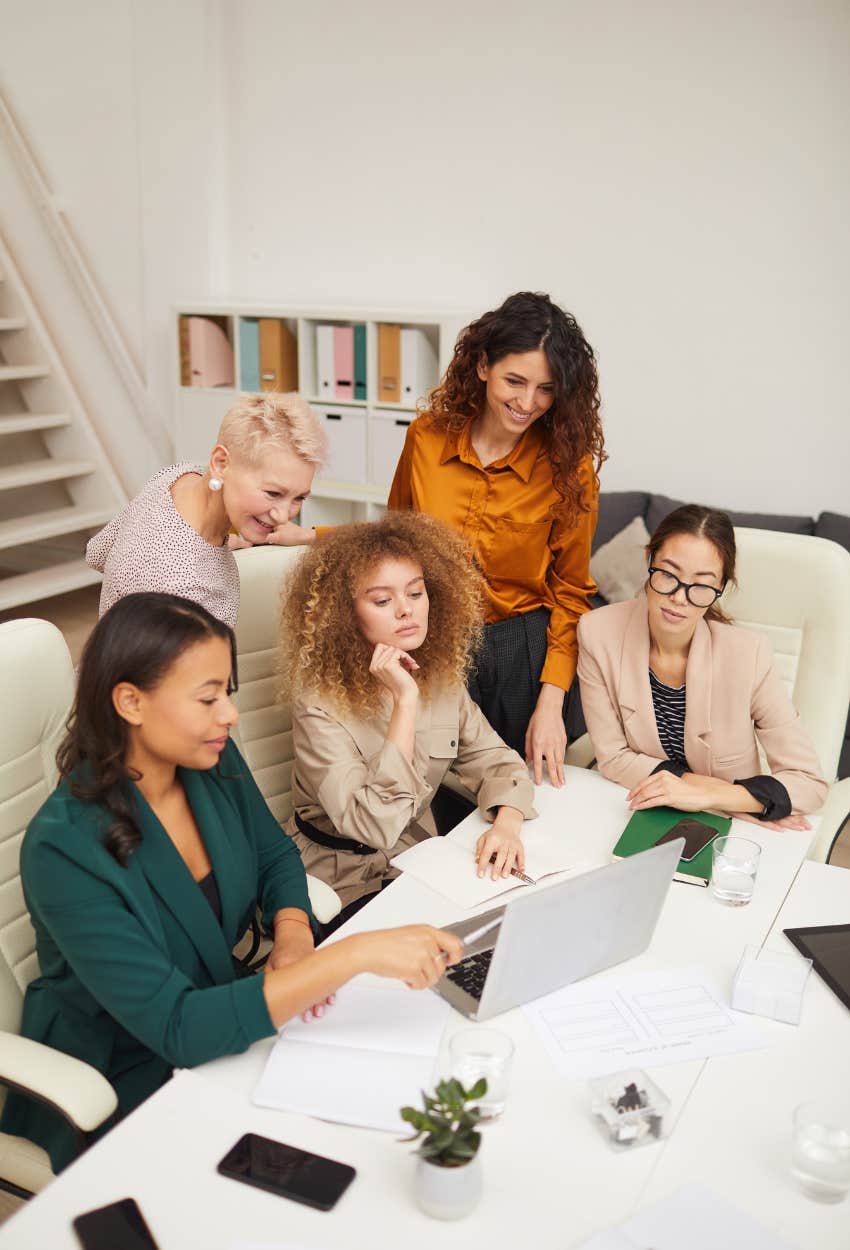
37, 681
264, 733
796, 589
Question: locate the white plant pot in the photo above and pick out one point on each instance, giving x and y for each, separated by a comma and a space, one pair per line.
448, 1193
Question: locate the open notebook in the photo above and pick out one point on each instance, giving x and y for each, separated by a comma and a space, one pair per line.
447, 864
371, 1053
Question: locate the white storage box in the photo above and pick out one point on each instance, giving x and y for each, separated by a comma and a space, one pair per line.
770, 984
387, 432
346, 431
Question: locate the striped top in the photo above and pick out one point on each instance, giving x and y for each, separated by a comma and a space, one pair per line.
668, 703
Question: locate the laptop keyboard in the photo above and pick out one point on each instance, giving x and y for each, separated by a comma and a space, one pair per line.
471, 973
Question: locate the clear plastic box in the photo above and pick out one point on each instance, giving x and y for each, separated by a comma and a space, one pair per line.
629, 1108
770, 983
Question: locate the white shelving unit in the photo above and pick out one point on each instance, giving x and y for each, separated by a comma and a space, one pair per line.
365, 435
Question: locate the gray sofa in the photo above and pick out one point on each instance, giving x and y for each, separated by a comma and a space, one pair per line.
618, 508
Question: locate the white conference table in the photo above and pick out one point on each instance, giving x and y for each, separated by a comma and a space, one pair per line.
548, 1175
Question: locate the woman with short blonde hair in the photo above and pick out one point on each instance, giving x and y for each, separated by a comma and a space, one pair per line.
176, 535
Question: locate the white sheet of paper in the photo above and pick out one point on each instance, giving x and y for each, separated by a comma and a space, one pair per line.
376, 1017
645, 1020
372, 1053
700, 1219
366, 1088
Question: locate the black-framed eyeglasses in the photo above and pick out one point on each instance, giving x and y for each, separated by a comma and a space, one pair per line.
663, 582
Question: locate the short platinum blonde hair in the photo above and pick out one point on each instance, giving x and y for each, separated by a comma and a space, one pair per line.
257, 424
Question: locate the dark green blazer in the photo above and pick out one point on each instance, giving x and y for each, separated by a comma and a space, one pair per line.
137, 976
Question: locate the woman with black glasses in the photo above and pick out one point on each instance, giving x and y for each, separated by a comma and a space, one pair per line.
677, 699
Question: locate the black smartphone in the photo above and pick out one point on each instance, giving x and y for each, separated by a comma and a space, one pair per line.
696, 834
286, 1170
120, 1226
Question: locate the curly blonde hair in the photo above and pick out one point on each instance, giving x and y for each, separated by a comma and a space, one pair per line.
322, 648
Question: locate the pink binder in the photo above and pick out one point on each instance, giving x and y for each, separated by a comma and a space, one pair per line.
210, 353
344, 362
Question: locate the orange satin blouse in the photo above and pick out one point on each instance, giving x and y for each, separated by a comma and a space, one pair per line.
529, 557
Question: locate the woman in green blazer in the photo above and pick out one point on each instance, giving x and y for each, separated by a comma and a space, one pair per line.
144, 868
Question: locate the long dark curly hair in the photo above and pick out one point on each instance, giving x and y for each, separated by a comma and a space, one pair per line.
527, 322
137, 641
322, 648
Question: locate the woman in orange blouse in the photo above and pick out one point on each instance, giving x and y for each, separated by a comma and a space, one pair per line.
508, 454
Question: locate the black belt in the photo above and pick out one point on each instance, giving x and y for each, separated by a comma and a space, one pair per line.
332, 843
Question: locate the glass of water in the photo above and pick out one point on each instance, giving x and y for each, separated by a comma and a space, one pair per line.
734, 864
820, 1156
475, 1053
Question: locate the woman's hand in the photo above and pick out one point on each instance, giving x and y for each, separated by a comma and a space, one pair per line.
546, 737
392, 668
690, 793
293, 940
416, 954
503, 841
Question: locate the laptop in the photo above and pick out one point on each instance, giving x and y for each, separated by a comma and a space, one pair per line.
559, 935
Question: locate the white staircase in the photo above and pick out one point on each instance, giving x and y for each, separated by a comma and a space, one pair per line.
56, 484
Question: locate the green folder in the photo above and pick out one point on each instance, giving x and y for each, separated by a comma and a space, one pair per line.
646, 827
359, 362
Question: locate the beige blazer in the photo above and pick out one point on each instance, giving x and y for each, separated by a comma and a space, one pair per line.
350, 782
734, 696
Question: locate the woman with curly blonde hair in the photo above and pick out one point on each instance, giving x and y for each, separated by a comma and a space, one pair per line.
378, 624
508, 454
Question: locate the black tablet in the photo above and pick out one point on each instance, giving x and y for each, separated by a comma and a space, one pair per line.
828, 947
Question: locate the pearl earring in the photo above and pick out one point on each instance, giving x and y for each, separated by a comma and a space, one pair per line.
215, 483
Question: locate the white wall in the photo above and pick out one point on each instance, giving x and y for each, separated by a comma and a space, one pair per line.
676, 174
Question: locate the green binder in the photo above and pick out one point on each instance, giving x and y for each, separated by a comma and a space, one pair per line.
359, 362
646, 827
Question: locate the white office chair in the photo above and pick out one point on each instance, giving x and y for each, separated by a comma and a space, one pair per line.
264, 732
796, 589
37, 680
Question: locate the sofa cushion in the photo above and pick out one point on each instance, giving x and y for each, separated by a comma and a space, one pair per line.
616, 509
661, 505
834, 526
619, 566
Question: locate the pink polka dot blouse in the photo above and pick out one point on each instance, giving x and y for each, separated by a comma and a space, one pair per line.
149, 546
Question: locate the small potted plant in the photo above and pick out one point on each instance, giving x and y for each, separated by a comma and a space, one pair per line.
448, 1175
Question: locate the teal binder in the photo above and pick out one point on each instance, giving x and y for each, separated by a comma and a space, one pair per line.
249, 354
359, 362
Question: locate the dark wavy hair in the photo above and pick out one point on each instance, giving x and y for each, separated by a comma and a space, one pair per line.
137, 640
528, 322
708, 523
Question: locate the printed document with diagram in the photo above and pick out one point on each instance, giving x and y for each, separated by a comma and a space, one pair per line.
602, 1025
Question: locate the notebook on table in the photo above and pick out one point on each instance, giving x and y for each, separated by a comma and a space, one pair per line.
656, 824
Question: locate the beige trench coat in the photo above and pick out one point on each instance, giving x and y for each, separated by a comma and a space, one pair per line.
350, 782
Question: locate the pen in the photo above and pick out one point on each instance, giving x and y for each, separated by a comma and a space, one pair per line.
515, 872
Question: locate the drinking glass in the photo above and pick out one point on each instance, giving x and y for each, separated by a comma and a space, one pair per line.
734, 864
820, 1155
483, 1052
